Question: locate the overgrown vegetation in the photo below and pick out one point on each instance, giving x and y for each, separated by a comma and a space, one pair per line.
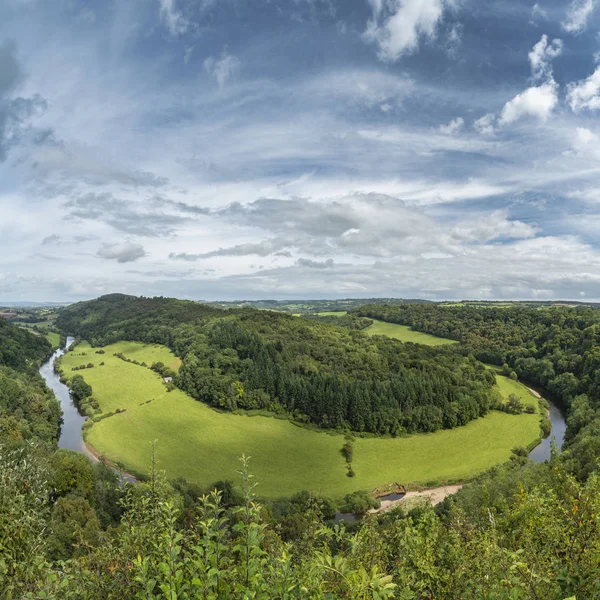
70, 531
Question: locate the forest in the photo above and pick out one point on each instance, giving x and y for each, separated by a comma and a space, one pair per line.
69, 529
554, 347
310, 369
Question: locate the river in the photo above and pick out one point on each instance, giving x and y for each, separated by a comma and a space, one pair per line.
70, 432
559, 426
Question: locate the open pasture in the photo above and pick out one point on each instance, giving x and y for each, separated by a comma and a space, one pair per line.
406, 334
203, 445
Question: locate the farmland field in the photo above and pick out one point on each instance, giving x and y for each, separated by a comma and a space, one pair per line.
53, 338
406, 334
203, 445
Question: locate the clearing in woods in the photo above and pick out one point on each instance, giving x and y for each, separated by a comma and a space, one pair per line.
406, 334
197, 442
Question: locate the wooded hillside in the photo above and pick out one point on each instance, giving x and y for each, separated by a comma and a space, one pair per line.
312, 370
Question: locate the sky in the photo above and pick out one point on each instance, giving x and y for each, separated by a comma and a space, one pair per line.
252, 149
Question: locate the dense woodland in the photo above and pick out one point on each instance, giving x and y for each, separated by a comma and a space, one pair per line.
27, 408
71, 530
555, 347
335, 377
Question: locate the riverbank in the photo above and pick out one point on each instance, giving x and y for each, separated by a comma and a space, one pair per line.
431, 496
97, 456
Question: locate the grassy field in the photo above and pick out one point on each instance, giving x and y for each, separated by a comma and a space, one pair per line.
507, 387
53, 338
332, 313
405, 334
202, 445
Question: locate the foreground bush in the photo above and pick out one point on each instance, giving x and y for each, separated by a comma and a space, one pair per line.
542, 542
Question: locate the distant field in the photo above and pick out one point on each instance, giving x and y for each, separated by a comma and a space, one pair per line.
202, 445
332, 313
53, 338
507, 387
405, 334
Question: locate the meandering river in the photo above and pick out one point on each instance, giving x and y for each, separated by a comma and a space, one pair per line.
70, 432
559, 426
71, 438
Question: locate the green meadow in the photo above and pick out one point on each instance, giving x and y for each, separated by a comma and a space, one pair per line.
53, 338
406, 334
203, 445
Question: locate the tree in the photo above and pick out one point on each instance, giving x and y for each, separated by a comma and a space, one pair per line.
72, 474
514, 404
73, 522
79, 388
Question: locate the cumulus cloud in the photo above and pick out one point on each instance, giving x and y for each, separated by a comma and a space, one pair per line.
585, 94
541, 56
578, 14
485, 125
453, 127
173, 18
397, 26
123, 253
222, 68
536, 102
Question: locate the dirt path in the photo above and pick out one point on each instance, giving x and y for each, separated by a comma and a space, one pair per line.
536, 394
433, 495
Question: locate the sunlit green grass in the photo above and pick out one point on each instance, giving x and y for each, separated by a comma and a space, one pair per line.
406, 334
202, 445
53, 338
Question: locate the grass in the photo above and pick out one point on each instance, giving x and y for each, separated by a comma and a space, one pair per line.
406, 334
53, 338
507, 387
332, 313
203, 445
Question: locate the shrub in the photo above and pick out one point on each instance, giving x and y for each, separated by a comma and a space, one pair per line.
359, 502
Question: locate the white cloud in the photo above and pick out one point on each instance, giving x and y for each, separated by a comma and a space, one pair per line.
222, 68
537, 12
397, 26
454, 39
173, 19
533, 102
584, 135
585, 94
541, 55
578, 15
536, 101
126, 252
485, 125
493, 226
453, 127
